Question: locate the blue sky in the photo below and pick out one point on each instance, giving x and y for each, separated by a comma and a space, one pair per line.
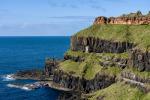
59, 17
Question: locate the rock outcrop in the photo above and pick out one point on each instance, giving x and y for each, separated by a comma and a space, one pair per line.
132, 76
140, 60
50, 66
132, 18
136, 80
29, 74
81, 84
76, 59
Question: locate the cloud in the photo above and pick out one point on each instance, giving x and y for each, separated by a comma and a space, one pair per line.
3, 13
70, 19
43, 29
3, 10
114, 0
80, 4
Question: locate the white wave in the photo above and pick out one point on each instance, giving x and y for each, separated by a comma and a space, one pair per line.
9, 77
19, 86
26, 88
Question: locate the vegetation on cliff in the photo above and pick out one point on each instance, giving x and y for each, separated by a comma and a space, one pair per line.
87, 69
119, 91
91, 65
109, 61
137, 14
137, 34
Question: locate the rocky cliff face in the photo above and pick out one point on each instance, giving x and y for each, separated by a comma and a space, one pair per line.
50, 66
126, 19
80, 84
98, 46
140, 60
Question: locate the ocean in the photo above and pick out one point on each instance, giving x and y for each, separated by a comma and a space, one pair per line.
23, 53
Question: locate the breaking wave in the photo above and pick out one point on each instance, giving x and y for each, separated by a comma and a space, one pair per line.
9, 77
19, 86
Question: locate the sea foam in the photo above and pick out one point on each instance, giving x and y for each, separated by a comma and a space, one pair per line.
19, 86
9, 77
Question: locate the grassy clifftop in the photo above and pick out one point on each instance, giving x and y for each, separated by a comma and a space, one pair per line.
138, 34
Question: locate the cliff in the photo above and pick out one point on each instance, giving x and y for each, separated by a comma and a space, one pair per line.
130, 19
109, 59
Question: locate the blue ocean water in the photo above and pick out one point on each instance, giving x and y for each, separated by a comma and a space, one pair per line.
22, 53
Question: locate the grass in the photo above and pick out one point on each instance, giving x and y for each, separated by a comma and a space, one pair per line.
71, 67
138, 34
118, 91
112, 71
92, 67
81, 54
88, 68
76, 53
146, 97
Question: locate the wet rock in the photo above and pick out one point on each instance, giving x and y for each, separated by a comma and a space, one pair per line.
34, 74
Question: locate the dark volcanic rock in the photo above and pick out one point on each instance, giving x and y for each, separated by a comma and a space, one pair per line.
70, 96
30, 74
140, 60
81, 84
99, 46
76, 59
50, 66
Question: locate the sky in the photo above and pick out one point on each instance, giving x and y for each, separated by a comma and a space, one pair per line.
59, 17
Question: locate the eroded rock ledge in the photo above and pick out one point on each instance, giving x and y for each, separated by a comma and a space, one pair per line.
132, 18
81, 84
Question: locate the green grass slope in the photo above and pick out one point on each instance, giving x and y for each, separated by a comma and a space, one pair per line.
119, 91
